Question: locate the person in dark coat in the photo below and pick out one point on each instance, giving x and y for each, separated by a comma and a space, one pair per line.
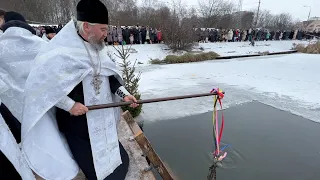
136, 33
152, 36
143, 32
59, 28
272, 35
291, 35
126, 35
277, 35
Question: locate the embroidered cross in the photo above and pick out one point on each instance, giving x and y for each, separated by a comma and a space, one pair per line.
110, 124
109, 98
94, 101
97, 131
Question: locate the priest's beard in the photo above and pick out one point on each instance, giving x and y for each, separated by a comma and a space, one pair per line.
96, 43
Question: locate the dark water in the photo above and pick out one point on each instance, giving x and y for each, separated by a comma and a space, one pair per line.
266, 144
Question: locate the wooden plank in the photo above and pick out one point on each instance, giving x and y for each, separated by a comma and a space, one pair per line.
138, 163
147, 148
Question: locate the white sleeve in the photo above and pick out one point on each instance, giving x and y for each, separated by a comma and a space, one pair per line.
122, 92
66, 103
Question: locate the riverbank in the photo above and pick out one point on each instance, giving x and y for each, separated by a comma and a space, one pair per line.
144, 53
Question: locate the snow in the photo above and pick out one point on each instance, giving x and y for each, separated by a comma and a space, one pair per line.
288, 82
143, 53
243, 48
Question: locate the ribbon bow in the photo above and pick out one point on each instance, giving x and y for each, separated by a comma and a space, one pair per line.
218, 91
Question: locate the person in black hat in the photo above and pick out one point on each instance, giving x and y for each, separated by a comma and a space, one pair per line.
92, 21
82, 75
49, 33
11, 15
15, 19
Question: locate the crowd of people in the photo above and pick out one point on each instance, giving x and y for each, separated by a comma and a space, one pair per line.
147, 35
237, 35
116, 34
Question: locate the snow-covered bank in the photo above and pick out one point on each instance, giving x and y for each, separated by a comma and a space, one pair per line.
243, 48
143, 53
288, 82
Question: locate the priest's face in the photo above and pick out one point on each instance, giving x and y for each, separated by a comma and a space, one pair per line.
51, 35
97, 34
1, 20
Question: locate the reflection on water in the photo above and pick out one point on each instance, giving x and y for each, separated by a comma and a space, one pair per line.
231, 161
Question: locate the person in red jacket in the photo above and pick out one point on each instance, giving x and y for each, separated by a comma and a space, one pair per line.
159, 36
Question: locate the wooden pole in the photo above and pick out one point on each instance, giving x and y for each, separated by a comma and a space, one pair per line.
102, 106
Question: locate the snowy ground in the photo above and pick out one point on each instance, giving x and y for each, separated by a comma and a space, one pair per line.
144, 53
289, 82
243, 48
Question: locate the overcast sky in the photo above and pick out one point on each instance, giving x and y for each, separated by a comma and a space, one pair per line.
294, 7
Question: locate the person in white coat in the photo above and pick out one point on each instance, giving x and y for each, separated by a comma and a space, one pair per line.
74, 69
18, 47
230, 35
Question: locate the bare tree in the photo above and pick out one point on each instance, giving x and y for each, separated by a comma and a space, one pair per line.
264, 19
178, 30
211, 13
209, 8
283, 21
122, 12
247, 20
163, 16
213, 10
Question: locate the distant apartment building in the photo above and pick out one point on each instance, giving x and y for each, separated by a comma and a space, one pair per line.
313, 24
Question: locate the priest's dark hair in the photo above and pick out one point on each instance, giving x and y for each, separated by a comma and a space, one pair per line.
17, 23
14, 19
2, 12
11, 15
92, 11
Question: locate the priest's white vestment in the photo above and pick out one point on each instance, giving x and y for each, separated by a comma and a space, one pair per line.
61, 65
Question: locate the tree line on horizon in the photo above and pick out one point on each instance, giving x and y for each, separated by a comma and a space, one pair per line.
220, 14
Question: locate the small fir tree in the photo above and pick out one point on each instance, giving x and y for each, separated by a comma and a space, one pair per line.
131, 80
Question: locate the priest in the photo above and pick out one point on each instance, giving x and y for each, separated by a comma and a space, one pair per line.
14, 64
75, 70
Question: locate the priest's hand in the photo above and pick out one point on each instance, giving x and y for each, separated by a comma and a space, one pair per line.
132, 99
78, 109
